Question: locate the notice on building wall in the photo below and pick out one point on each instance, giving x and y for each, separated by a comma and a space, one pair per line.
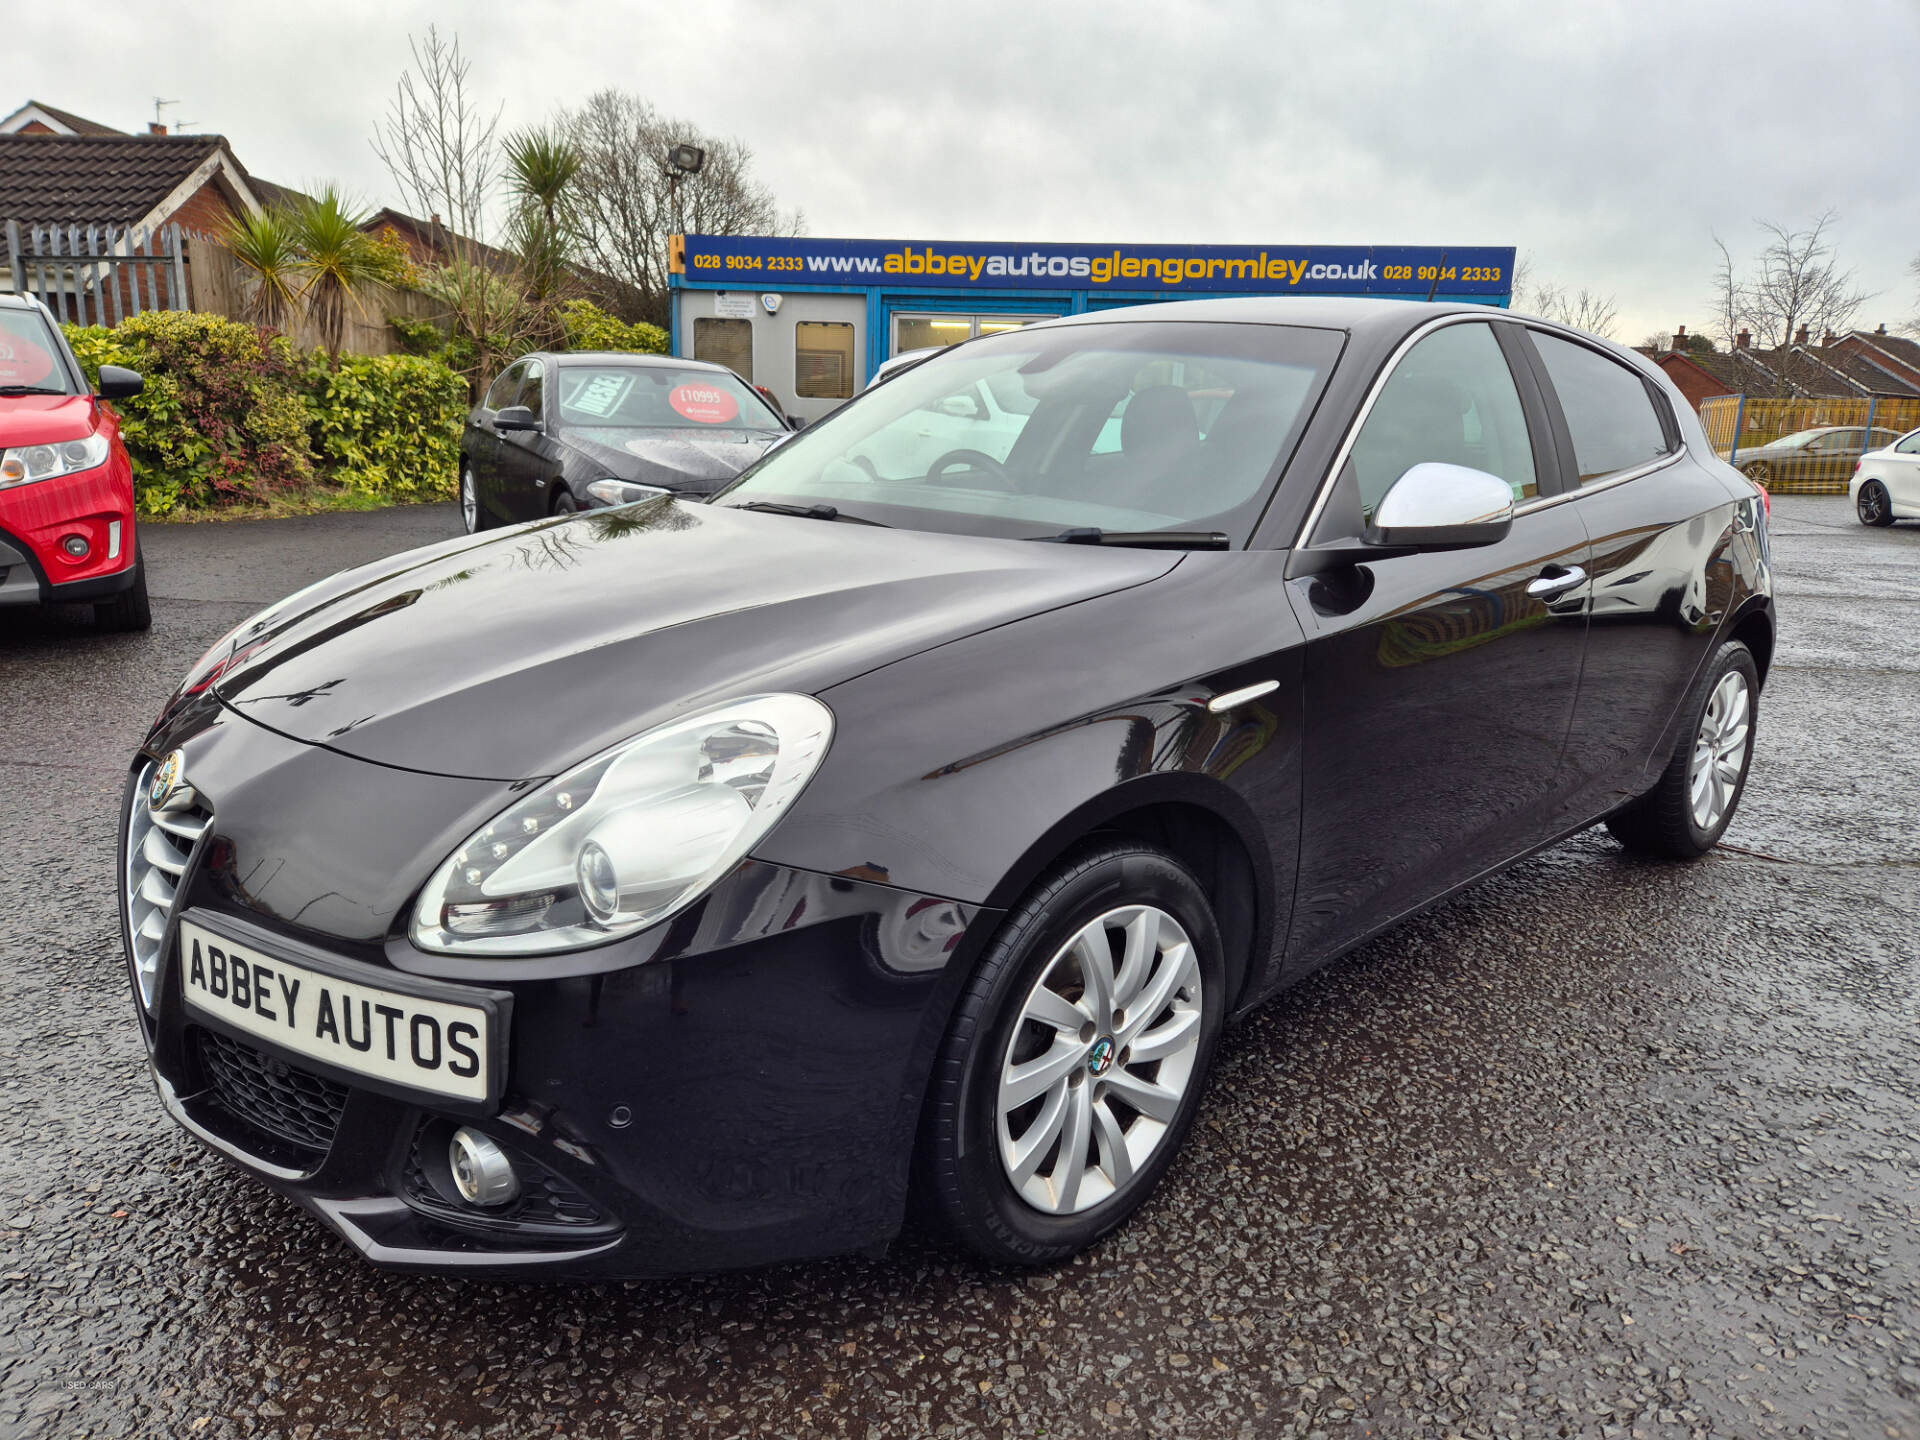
1478, 270
733, 307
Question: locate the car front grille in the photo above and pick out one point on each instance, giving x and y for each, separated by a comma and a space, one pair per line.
264, 1092
157, 847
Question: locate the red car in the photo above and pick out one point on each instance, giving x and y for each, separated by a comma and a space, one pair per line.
66, 484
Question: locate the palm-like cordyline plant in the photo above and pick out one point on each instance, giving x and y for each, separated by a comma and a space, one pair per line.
266, 244
541, 168
339, 261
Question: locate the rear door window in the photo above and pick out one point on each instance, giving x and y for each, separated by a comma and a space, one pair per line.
1610, 414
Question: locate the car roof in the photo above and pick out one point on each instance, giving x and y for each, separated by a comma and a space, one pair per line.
1320, 312
621, 357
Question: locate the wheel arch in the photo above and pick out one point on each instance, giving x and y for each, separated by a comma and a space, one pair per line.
1200, 823
1755, 630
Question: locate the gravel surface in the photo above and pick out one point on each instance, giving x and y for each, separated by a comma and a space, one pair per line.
1601, 1148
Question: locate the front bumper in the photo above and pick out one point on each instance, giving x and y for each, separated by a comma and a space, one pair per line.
739, 1088
96, 504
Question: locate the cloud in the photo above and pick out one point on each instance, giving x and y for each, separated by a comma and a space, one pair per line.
1606, 140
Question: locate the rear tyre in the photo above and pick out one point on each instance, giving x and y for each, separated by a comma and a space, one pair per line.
1873, 505
564, 503
1689, 809
129, 610
1076, 1058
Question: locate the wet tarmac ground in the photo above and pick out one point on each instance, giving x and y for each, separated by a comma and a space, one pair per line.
1601, 1148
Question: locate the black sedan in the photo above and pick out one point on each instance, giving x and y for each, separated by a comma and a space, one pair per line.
557, 433
681, 886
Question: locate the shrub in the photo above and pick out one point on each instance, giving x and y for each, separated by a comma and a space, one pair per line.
222, 419
388, 424
588, 327
232, 414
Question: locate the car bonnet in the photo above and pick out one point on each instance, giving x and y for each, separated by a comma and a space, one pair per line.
517, 654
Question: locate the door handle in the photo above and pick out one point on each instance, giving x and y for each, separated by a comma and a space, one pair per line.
1562, 577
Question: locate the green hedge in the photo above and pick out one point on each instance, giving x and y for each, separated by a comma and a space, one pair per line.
233, 415
388, 424
588, 327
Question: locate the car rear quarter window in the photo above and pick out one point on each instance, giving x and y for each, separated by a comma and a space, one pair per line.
1610, 415
1910, 445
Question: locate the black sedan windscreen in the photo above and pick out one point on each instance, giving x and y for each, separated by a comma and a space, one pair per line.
622, 398
1123, 427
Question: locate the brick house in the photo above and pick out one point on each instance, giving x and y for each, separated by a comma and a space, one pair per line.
59, 168
1857, 366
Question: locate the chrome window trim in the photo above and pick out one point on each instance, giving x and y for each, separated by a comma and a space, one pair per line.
1621, 477
1525, 507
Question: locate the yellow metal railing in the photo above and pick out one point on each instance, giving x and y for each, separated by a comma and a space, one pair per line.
1745, 429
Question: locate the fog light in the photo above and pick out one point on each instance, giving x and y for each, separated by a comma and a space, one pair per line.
76, 546
481, 1171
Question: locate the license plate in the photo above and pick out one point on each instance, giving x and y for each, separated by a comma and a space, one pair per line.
407, 1040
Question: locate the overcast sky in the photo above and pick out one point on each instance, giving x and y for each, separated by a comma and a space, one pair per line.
1607, 141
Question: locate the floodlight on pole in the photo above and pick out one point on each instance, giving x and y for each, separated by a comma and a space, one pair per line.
682, 161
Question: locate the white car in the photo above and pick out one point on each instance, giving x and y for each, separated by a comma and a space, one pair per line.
1886, 483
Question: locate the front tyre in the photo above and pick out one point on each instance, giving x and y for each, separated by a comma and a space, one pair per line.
1873, 505
1689, 809
130, 609
1760, 472
1076, 1058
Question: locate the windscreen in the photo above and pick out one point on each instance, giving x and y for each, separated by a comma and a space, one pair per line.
30, 356
1121, 427
617, 400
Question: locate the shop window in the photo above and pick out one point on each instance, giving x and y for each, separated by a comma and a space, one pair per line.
725, 342
823, 360
933, 332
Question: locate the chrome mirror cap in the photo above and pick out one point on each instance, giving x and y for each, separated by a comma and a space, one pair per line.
1436, 506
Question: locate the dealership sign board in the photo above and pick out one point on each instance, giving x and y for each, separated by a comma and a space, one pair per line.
762, 262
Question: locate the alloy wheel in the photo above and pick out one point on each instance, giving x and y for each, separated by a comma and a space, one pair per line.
469, 502
1872, 504
1719, 751
1099, 1060
1759, 472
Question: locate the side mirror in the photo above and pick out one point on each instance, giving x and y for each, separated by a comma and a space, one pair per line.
119, 383
1435, 506
514, 417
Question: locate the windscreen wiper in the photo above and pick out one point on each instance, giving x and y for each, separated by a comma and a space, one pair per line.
29, 390
809, 512
1141, 539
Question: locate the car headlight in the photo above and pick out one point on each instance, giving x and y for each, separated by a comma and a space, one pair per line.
628, 838
623, 492
30, 464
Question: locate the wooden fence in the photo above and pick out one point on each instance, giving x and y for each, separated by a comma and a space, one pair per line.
221, 286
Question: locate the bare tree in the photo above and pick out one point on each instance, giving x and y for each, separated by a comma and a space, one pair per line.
1793, 283
442, 148
1912, 327
626, 207
1581, 309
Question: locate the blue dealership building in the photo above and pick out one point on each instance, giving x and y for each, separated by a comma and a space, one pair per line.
812, 319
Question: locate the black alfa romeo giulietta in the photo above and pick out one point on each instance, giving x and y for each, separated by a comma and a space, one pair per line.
687, 885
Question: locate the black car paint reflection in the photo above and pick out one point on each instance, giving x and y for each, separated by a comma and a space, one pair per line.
742, 1083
